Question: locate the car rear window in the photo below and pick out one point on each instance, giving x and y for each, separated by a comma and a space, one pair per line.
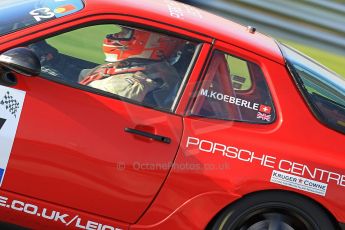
18, 14
234, 89
323, 89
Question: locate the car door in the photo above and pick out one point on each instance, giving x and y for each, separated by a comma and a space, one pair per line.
86, 148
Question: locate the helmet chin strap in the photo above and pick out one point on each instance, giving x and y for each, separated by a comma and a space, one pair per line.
111, 58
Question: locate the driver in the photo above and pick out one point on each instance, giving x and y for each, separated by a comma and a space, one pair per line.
138, 62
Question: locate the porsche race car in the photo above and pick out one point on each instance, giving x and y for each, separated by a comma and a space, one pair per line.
157, 115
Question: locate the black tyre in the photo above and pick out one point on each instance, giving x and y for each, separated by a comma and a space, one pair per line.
273, 211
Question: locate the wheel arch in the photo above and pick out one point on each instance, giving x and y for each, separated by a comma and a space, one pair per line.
256, 193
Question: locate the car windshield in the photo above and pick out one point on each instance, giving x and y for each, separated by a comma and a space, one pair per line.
324, 89
18, 14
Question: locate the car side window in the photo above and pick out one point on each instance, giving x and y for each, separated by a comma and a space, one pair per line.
234, 89
132, 64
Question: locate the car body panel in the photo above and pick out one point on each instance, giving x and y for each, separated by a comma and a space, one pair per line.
209, 202
240, 177
195, 20
66, 160
51, 216
72, 157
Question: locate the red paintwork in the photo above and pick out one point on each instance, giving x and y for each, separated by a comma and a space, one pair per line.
79, 139
69, 142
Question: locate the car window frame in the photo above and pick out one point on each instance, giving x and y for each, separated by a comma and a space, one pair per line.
315, 111
172, 109
201, 79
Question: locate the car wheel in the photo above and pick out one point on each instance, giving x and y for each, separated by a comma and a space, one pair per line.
273, 211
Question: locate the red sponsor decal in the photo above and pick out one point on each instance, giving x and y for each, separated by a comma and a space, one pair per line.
64, 9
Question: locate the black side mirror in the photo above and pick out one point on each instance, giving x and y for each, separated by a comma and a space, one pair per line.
21, 60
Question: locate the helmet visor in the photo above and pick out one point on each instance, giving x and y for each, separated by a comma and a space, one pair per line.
124, 35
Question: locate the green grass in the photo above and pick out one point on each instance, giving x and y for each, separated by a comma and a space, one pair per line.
332, 61
239, 67
85, 43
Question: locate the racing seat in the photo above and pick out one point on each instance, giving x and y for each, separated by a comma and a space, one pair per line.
165, 95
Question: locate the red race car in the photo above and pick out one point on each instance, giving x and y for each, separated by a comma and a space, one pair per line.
157, 115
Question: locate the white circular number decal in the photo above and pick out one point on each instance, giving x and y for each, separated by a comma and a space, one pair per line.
42, 13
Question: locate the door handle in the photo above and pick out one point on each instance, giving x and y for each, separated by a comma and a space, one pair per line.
155, 137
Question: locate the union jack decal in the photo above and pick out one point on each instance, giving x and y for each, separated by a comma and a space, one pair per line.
263, 116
